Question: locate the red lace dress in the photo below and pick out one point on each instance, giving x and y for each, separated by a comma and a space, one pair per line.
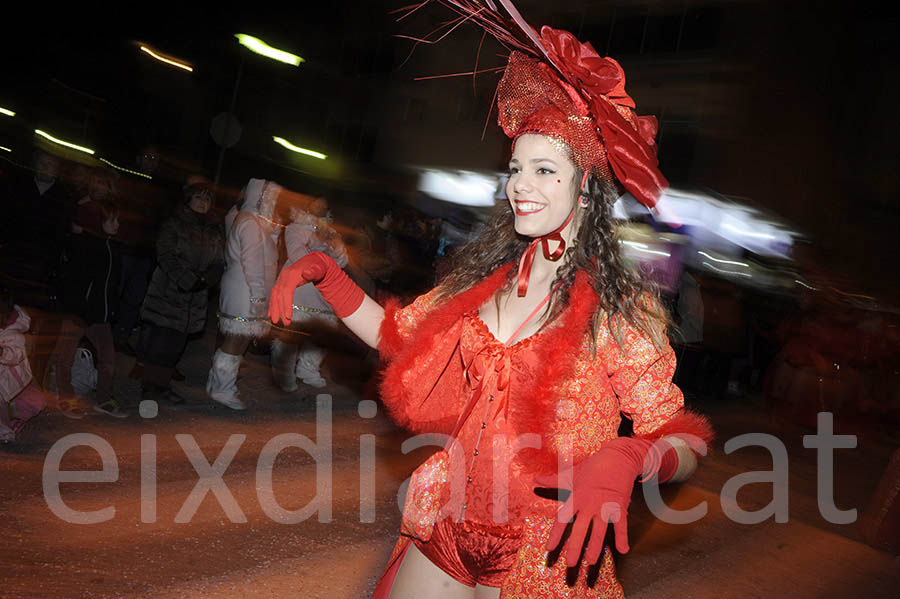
478, 542
550, 399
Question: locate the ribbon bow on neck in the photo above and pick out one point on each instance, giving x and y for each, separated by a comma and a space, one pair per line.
527, 258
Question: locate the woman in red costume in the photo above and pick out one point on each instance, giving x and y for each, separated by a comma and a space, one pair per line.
529, 353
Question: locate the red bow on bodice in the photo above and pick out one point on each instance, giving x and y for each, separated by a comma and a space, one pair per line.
491, 367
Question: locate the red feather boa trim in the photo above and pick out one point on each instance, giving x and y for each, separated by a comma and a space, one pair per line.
390, 343
404, 353
556, 352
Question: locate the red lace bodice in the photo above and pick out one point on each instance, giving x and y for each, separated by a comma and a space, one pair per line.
499, 489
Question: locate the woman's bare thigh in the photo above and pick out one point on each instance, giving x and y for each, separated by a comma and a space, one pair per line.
483, 592
418, 578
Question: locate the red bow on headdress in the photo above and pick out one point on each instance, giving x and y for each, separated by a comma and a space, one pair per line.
572, 93
629, 139
580, 63
556, 86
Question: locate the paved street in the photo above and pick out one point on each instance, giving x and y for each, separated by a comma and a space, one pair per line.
216, 555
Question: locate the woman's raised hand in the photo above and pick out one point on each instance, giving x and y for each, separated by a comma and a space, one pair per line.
342, 294
308, 269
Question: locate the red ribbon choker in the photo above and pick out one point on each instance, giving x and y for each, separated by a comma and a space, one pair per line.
527, 258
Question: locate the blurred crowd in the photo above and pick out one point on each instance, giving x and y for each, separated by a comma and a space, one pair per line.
97, 263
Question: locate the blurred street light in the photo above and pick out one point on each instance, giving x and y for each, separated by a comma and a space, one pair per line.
459, 187
721, 261
283, 142
726, 272
260, 47
5, 149
63, 143
7, 111
125, 170
167, 60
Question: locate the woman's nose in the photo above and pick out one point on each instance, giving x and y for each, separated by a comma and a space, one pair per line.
521, 182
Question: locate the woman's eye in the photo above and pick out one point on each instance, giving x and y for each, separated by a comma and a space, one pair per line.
513, 170
544, 171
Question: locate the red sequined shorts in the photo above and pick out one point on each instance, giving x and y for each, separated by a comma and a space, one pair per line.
472, 553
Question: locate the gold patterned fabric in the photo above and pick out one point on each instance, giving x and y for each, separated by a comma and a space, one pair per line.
531, 99
532, 576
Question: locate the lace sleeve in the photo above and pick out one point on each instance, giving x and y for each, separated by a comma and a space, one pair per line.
641, 377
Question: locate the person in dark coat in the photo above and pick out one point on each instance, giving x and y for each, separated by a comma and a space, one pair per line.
91, 299
32, 240
38, 208
146, 204
190, 259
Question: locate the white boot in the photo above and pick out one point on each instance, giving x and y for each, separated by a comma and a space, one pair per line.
308, 362
222, 381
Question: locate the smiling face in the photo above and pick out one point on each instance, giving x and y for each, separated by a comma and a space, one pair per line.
542, 188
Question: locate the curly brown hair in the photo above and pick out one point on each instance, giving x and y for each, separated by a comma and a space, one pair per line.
595, 250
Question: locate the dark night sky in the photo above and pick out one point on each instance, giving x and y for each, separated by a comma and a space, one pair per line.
810, 130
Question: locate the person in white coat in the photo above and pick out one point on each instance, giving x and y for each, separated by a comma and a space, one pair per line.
251, 258
309, 231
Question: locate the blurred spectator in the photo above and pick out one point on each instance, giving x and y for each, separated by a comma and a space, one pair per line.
839, 357
251, 258
364, 264
411, 241
144, 205
19, 399
724, 336
308, 231
421, 234
35, 230
33, 237
367, 262
91, 282
378, 250
148, 160
190, 259
79, 180
687, 336
450, 238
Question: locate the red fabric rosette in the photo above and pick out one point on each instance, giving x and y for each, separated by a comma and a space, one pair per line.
584, 103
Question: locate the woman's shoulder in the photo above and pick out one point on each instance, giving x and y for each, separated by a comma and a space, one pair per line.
643, 334
245, 220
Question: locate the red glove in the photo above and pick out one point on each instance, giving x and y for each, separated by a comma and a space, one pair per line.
318, 268
601, 488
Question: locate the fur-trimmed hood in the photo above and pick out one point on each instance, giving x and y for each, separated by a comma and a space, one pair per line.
18, 321
260, 197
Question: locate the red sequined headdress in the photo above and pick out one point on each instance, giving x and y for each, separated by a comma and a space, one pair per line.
556, 86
